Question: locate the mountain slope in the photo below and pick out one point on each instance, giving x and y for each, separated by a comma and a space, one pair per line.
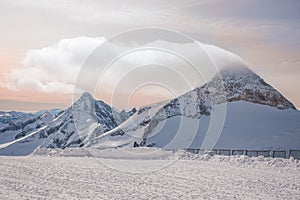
6, 117
257, 117
184, 121
75, 126
19, 128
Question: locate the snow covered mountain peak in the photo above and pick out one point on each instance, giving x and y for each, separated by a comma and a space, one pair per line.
86, 96
73, 127
240, 83
90, 122
86, 100
234, 85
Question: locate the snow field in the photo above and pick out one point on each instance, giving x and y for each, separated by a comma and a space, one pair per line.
189, 177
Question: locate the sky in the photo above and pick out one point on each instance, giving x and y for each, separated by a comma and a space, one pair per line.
44, 43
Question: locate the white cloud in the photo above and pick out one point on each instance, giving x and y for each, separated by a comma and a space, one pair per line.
55, 68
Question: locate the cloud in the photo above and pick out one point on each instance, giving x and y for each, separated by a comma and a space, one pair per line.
55, 68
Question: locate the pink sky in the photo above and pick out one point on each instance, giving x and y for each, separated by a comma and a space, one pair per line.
266, 34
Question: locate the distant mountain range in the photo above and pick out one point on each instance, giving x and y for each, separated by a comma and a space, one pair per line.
6, 117
257, 117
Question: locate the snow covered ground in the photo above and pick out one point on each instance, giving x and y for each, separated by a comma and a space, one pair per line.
189, 177
247, 125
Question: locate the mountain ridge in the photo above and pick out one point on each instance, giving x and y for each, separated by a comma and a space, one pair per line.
231, 84
71, 128
93, 123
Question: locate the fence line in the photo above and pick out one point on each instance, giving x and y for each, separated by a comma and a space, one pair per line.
251, 153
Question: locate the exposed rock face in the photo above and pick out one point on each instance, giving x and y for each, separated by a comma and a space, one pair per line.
27, 124
85, 119
230, 84
237, 83
7, 117
240, 83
